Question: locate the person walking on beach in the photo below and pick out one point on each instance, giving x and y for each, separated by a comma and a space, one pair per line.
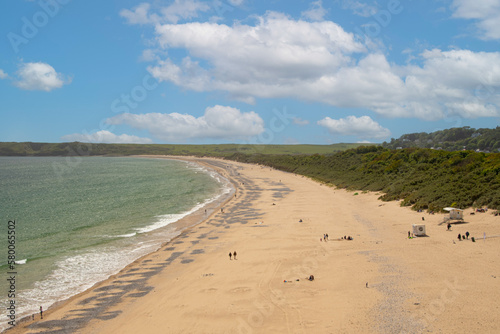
41, 312
467, 235
230, 254
234, 255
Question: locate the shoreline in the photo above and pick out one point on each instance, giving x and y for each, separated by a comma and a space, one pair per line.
181, 226
276, 222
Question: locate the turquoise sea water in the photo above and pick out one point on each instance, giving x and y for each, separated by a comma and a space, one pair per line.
79, 221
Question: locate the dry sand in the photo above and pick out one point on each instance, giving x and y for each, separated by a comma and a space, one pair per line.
429, 284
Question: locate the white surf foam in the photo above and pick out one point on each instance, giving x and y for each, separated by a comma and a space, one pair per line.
76, 274
130, 235
164, 220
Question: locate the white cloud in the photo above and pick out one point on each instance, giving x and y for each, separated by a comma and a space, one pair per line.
149, 55
291, 141
485, 12
359, 8
363, 127
140, 15
188, 75
219, 122
457, 82
178, 10
3, 75
236, 2
279, 57
104, 136
39, 76
266, 60
316, 12
300, 121
184, 9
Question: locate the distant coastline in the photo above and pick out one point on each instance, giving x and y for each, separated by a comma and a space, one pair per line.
423, 178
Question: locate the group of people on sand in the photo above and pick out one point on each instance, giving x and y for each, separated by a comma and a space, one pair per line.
463, 237
325, 237
232, 255
310, 278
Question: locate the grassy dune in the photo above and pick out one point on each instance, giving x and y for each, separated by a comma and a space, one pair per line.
421, 178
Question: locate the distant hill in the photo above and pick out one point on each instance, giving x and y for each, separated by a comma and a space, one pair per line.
222, 150
454, 139
419, 177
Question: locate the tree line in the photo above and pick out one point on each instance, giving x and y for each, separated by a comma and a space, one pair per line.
454, 139
421, 178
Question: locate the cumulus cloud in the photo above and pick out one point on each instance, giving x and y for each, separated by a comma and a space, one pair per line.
316, 12
184, 9
139, 15
363, 127
300, 121
39, 76
267, 60
3, 75
456, 82
178, 10
486, 13
218, 122
188, 75
105, 136
359, 8
151, 55
279, 57
148, 55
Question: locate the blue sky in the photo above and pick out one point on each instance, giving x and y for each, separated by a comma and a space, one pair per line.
246, 71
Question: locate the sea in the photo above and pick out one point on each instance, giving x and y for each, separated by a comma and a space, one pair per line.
77, 221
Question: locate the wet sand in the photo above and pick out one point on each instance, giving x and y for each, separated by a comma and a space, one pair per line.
380, 282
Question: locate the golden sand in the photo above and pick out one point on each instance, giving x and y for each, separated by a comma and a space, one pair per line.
380, 282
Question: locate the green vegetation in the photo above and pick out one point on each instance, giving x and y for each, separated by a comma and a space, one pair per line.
86, 149
455, 139
421, 178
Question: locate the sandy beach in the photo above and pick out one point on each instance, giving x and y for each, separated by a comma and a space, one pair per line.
379, 282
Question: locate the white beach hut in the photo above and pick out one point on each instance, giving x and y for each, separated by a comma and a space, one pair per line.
418, 230
457, 214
